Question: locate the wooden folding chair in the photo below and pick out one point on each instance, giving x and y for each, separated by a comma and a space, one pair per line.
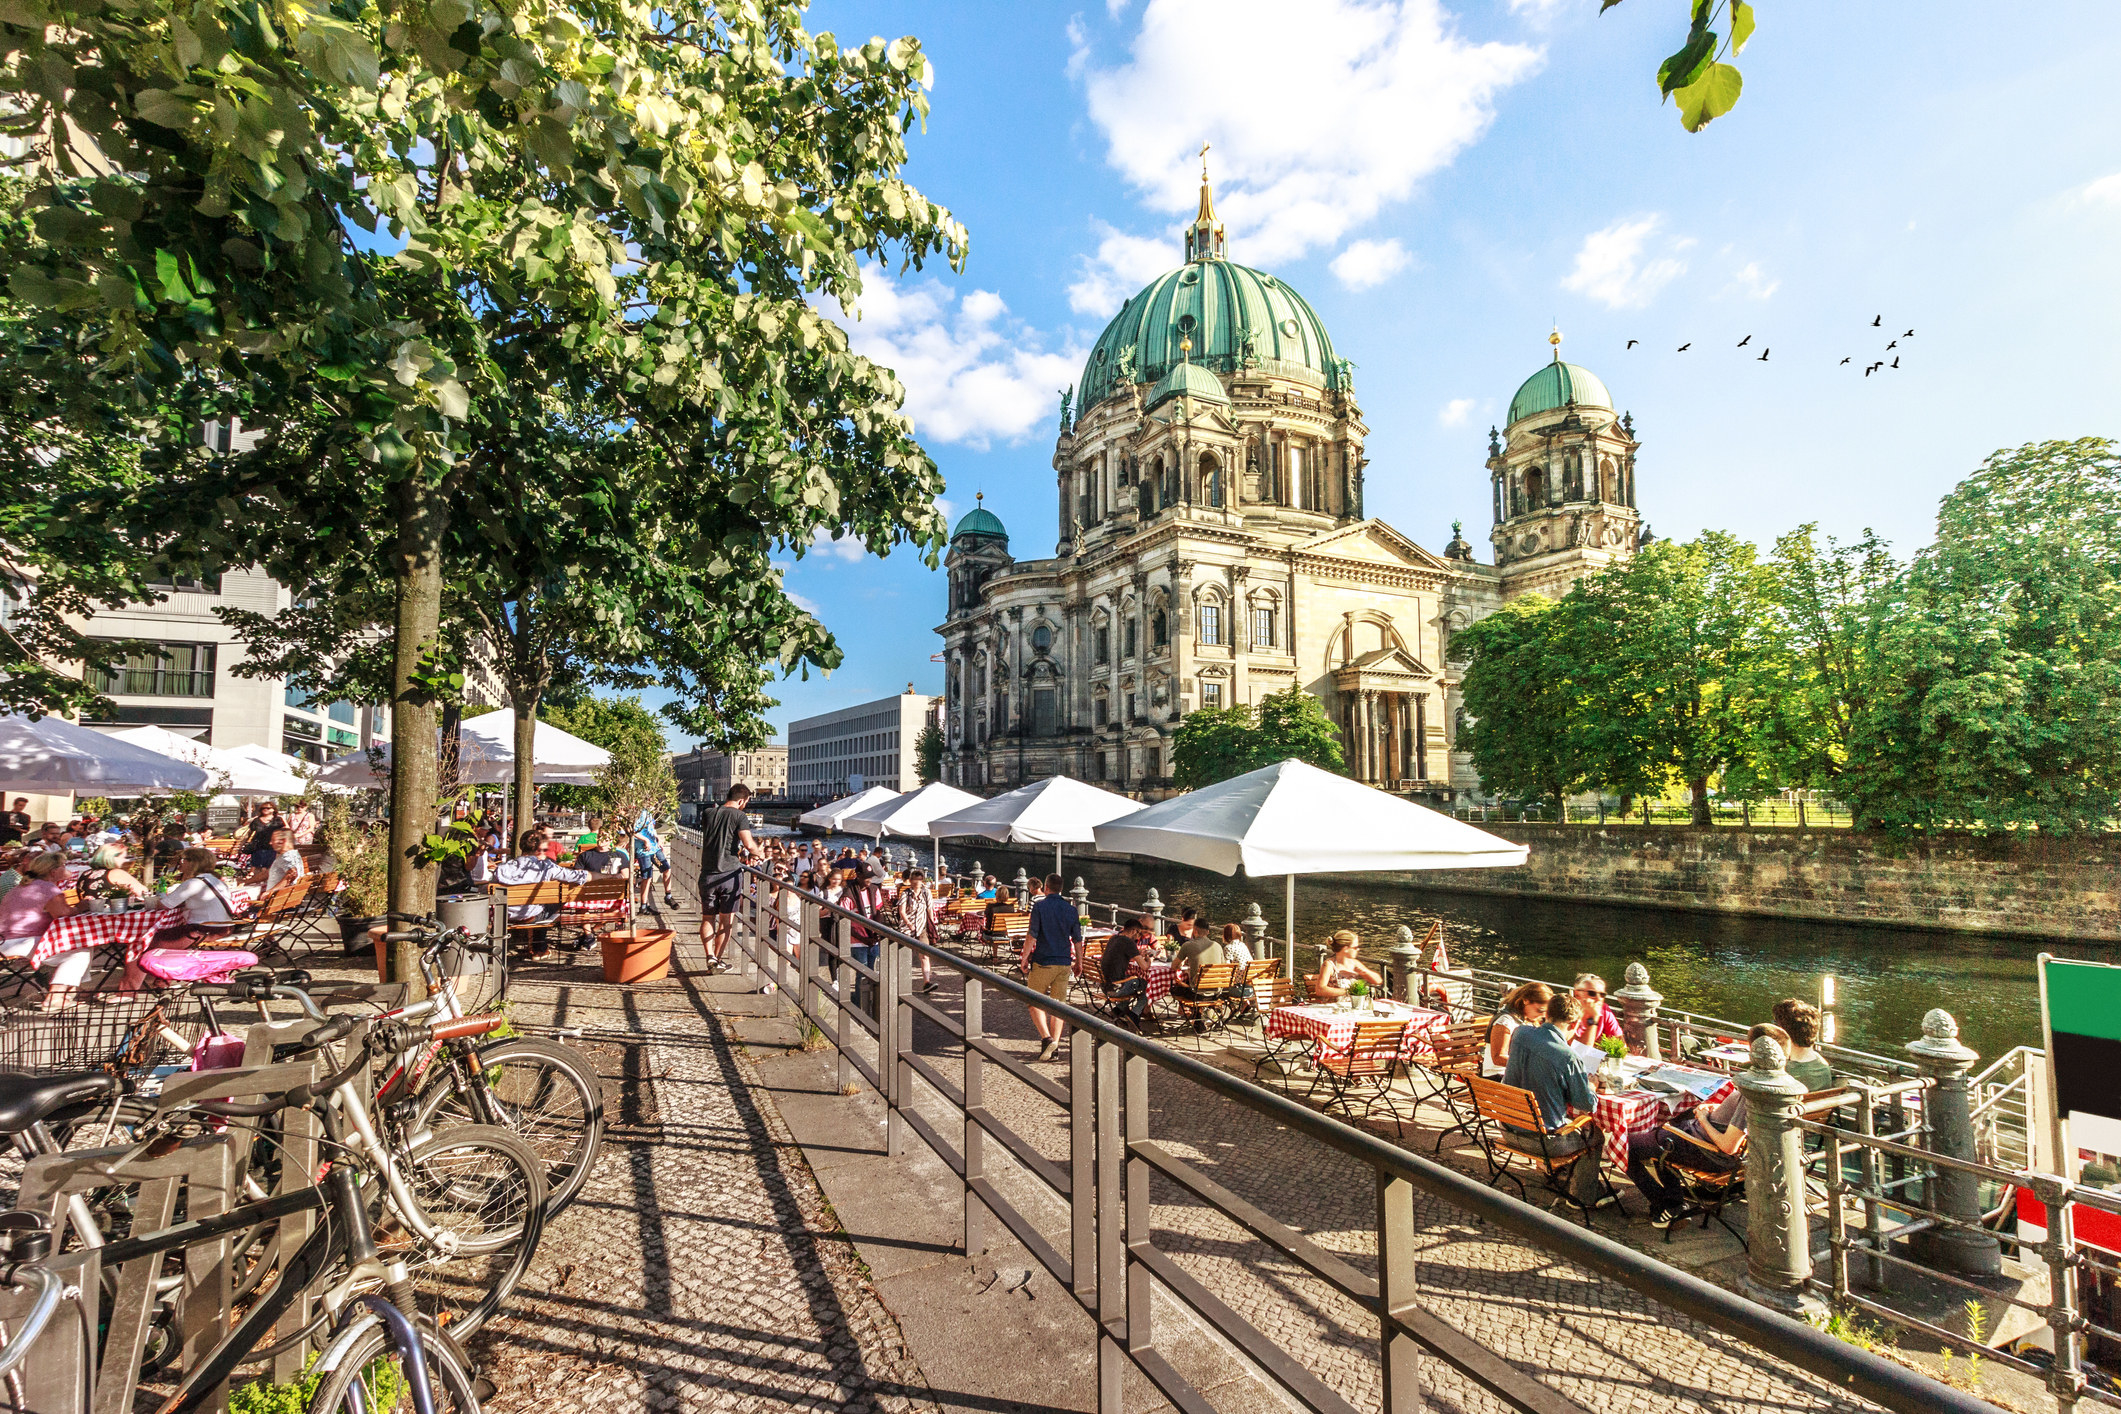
1706, 1186
1455, 1053
547, 893
1209, 1008
1513, 1135
1366, 1068
1086, 980
1260, 976
275, 918
1007, 928
1267, 995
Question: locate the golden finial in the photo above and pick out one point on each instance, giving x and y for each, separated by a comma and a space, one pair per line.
1204, 160
1185, 346
1555, 339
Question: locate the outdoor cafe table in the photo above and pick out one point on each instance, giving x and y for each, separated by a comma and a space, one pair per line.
1334, 1030
85, 932
1159, 975
1625, 1113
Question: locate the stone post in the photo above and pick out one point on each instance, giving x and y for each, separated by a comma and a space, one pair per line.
1638, 1012
1080, 897
1023, 884
977, 875
1399, 972
1154, 907
1777, 1230
1948, 1110
1255, 925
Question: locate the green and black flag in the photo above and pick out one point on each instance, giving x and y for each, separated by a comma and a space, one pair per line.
2083, 1001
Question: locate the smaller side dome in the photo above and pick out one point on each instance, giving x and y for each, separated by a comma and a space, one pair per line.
1188, 380
1558, 385
979, 521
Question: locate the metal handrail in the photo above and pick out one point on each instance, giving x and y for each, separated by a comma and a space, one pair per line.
1106, 1057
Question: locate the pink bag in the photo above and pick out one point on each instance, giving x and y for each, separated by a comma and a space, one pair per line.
218, 1052
188, 965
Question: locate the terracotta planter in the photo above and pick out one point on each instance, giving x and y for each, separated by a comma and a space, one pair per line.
382, 954
637, 955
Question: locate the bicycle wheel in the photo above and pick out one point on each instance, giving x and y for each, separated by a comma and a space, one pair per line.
486, 1186
544, 1092
368, 1377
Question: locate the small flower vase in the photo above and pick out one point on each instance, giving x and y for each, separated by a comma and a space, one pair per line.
1610, 1073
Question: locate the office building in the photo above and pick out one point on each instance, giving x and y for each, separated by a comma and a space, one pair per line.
875, 744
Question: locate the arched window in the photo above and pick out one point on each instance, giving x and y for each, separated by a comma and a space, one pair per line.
1159, 630
1211, 623
1535, 488
1211, 481
1041, 638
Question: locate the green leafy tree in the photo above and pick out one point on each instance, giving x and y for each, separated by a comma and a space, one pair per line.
1673, 691
1696, 78
1215, 744
664, 196
1524, 715
1996, 697
928, 751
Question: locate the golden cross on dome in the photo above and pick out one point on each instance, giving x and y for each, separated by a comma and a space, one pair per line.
1204, 160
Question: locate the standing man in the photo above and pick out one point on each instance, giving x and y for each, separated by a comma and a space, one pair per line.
14, 825
1048, 958
725, 845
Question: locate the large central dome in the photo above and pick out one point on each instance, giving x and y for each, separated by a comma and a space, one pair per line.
1238, 318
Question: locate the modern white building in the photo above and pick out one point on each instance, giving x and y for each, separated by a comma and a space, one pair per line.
854, 748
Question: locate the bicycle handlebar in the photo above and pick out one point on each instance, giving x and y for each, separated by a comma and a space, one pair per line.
49, 1289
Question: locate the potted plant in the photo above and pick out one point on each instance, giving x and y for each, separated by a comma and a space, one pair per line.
1609, 1068
363, 861
1359, 995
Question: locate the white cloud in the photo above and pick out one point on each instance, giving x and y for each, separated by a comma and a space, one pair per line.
1116, 8
1320, 116
1612, 266
1365, 263
974, 373
2105, 191
1122, 265
1753, 282
847, 547
1538, 11
808, 606
1455, 412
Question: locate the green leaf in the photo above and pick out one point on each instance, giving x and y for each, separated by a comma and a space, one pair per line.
1712, 96
1687, 65
1741, 25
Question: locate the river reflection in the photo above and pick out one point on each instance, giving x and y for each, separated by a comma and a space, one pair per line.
1722, 966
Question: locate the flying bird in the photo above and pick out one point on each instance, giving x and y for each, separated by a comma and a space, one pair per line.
1684, 347
1633, 342
1908, 335
1764, 353
1893, 345
1744, 341
1879, 322
1842, 363
1870, 370
1896, 363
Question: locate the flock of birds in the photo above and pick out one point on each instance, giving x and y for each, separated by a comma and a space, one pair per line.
1868, 370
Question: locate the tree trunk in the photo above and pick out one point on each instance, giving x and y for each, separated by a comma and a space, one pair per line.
525, 705
1700, 787
423, 516
449, 773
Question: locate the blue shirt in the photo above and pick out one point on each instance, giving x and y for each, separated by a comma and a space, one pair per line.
1541, 1062
1055, 930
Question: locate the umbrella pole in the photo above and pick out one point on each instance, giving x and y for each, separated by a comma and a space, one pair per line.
1056, 856
1289, 938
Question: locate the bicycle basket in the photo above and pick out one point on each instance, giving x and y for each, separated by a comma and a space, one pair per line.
134, 1033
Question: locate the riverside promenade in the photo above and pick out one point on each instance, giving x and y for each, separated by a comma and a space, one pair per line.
746, 1243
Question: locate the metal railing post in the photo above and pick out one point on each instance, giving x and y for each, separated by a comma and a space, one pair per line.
1777, 1228
974, 1138
1082, 1164
1638, 1012
888, 1075
1111, 1253
1140, 1286
1947, 1113
2065, 1378
901, 960
806, 962
1873, 1219
1397, 1291
843, 1021
1837, 1224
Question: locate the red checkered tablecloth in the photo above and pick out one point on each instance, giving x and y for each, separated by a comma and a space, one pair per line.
88, 931
1631, 1112
1334, 1030
1159, 975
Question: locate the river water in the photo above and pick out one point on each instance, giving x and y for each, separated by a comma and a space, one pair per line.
1730, 967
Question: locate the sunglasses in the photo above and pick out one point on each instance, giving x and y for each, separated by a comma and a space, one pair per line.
1585, 992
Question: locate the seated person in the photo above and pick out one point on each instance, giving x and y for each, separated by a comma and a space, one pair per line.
598, 857
1127, 992
1525, 1005
1541, 1062
1799, 1020
1706, 1138
533, 866
168, 846
1598, 1020
1234, 948
107, 872
1197, 950
989, 887
33, 906
287, 863
1339, 967
1003, 903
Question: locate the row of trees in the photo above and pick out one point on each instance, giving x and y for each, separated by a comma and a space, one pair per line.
523, 304
1977, 685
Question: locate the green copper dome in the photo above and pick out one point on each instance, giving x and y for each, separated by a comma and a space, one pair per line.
1237, 317
980, 521
1557, 385
1188, 380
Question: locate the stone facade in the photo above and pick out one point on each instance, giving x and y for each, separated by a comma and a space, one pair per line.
1214, 549
2037, 888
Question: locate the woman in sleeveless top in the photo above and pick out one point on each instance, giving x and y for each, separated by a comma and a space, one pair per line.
1340, 967
1516, 1009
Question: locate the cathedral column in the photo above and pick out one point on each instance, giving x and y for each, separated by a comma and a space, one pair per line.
1369, 736
1391, 772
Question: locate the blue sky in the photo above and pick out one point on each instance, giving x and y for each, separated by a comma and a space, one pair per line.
1443, 182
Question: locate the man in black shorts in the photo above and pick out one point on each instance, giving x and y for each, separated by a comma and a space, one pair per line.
725, 844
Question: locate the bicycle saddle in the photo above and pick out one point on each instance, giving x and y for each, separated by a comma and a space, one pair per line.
25, 1099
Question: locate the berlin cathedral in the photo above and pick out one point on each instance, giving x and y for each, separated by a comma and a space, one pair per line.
1213, 549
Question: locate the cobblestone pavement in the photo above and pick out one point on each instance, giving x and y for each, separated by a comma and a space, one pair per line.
1599, 1343
700, 1268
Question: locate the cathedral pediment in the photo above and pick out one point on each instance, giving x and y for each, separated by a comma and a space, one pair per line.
1387, 669
1373, 542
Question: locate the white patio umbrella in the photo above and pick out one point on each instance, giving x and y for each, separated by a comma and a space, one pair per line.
909, 814
1292, 818
233, 772
1057, 811
828, 816
50, 755
281, 761
487, 757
